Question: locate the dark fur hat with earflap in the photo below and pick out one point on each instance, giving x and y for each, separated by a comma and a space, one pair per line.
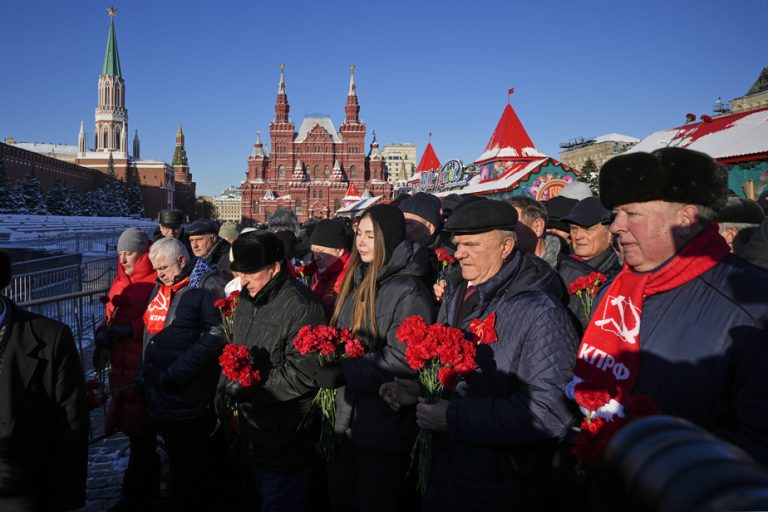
676, 175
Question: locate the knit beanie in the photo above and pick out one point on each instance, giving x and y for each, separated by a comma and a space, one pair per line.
228, 230
133, 240
392, 224
331, 233
425, 206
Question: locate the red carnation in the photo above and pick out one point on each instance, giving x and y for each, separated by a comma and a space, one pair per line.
235, 362
590, 399
220, 303
448, 377
354, 349
689, 118
706, 119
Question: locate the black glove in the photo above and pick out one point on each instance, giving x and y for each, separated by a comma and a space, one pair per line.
329, 377
100, 357
100, 340
166, 383
119, 332
238, 393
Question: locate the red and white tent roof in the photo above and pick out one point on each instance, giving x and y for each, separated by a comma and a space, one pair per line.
728, 138
509, 140
429, 160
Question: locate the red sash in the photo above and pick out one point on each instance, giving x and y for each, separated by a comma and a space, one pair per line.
157, 310
609, 356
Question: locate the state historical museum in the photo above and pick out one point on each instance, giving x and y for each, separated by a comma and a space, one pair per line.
310, 171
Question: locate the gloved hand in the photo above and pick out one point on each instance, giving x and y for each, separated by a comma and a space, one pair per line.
329, 377
119, 332
100, 358
100, 341
166, 383
238, 393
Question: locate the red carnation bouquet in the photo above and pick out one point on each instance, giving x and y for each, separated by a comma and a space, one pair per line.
440, 354
236, 365
228, 306
444, 258
603, 417
331, 345
585, 288
304, 273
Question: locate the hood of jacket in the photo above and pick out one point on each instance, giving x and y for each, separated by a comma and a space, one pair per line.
408, 258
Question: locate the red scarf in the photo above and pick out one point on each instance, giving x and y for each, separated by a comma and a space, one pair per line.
609, 356
157, 310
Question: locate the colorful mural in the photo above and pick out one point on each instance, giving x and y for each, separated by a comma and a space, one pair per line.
452, 175
745, 175
543, 183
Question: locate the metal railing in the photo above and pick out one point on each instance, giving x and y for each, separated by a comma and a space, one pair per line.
93, 274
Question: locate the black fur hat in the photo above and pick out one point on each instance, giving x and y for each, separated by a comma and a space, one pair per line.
676, 175
255, 250
741, 210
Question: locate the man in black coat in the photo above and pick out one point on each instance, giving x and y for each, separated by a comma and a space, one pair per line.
271, 309
205, 243
503, 420
590, 236
43, 411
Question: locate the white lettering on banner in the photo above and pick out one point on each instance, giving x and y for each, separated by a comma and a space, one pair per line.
156, 317
585, 351
621, 372
603, 361
628, 327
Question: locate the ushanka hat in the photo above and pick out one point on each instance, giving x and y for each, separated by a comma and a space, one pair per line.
741, 211
255, 250
676, 175
481, 216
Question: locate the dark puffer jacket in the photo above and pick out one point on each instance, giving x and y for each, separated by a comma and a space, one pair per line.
361, 414
180, 363
505, 419
268, 323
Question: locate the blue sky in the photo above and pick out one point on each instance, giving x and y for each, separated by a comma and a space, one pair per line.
578, 68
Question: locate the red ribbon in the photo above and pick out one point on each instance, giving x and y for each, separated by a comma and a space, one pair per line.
483, 329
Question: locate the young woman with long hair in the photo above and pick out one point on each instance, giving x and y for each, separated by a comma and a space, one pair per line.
382, 287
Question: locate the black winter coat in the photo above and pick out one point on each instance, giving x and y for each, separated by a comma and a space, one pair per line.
268, 323
219, 256
361, 414
607, 262
504, 420
43, 415
180, 363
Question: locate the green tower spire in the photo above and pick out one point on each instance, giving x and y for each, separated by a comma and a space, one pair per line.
180, 154
112, 59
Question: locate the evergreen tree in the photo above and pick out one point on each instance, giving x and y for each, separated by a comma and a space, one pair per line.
57, 199
30, 195
112, 194
134, 199
590, 175
7, 205
74, 200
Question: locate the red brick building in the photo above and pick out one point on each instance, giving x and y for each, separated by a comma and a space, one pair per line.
310, 171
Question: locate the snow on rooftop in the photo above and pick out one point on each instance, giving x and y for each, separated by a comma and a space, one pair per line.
40, 147
728, 136
615, 137
310, 122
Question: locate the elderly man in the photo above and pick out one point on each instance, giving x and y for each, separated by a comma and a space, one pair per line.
503, 420
590, 236
271, 310
738, 222
684, 324
205, 243
182, 341
43, 411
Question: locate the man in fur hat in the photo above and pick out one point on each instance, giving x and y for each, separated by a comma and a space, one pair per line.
684, 323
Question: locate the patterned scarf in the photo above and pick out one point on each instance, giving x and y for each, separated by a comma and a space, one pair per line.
609, 356
157, 310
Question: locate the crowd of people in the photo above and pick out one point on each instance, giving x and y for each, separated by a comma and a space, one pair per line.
586, 312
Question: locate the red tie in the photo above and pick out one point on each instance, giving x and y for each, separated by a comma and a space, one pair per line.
469, 292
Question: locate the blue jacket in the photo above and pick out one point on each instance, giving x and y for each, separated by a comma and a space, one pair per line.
704, 353
505, 419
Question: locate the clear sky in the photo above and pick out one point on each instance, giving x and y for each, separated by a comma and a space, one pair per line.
583, 68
